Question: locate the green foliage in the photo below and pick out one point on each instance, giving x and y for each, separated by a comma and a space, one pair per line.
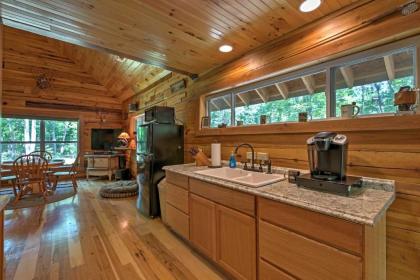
374, 98
23, 136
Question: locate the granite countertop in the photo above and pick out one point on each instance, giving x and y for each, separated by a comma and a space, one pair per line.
365, 208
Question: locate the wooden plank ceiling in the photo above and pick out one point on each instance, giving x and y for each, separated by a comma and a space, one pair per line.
77, 75
178, 35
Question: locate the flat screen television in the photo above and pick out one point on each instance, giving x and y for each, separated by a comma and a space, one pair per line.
104, 139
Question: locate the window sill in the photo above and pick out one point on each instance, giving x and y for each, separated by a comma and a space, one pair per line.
371, 123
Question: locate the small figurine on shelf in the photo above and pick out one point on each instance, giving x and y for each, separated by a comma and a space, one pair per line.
405, 99
222, 125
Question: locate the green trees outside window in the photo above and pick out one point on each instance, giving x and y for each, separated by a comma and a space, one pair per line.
22, 136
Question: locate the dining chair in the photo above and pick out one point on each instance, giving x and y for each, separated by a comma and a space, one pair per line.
30, 171
72, 173
48, 157
44, 154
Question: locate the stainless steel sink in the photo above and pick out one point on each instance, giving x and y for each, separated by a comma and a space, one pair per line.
243, 177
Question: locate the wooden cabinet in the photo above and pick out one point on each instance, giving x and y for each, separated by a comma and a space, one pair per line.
295, 242
336, 232
177, 206
270, 272
178, 221
177, 197
203, 225
236, 243
101, 165
177, 179
305, 258
226, 235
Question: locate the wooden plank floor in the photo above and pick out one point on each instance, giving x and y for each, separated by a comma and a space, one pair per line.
86, 237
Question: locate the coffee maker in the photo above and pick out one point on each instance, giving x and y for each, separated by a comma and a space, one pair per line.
327, 156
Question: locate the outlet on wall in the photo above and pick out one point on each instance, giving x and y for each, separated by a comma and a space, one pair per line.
249, 155
262, 156
258, 156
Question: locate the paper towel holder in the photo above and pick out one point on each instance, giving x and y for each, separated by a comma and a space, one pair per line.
216, 161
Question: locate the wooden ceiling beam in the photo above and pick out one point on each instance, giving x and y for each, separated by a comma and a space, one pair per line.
226, 100
263, 96
243, 98
282, 89
309, 83
214, 104
390, 66
348, 76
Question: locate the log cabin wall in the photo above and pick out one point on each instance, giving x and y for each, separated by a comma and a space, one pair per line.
379, 149
74, 92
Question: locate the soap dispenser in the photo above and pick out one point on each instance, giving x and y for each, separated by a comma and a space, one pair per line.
232, 160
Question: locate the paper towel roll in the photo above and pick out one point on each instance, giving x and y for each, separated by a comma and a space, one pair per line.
216, 154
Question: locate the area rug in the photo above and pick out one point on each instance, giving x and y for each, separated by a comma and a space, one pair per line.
63, 191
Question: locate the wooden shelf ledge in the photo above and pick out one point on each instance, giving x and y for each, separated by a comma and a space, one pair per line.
377, 123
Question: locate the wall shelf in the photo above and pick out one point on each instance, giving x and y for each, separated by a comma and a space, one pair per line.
374, 123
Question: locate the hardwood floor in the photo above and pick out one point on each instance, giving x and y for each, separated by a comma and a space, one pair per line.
87, 237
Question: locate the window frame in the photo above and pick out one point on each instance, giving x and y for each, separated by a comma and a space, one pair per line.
42, 140
329, 67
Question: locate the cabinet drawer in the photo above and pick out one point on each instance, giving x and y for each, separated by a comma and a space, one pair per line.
177, 196
305, 258
270, 272
178, 221
237, 200
177, 179
335, 232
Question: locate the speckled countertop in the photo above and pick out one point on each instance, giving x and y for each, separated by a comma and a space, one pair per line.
365, 208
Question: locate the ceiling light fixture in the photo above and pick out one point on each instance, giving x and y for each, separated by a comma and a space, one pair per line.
309, 5
225, 48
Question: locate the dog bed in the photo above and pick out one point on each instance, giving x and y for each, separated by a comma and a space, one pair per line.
119, 189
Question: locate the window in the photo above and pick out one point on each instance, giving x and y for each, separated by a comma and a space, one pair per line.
283, 101
22, 136
373, 83
370, 79
220, 110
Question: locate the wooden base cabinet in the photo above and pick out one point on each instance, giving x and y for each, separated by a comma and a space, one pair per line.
203, 225
236, 243
302, 244
223, 227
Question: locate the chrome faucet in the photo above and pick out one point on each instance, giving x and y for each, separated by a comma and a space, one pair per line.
252, 158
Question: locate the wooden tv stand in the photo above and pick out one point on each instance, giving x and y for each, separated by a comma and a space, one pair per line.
101, 165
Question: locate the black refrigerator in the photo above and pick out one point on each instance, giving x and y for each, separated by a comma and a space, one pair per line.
158, 144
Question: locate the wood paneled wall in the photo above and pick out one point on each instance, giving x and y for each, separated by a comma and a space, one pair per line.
391, 154
26, 56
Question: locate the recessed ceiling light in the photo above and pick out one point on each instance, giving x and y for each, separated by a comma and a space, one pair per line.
225, 48
309, 5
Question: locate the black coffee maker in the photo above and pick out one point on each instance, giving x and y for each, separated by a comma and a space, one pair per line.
327, 156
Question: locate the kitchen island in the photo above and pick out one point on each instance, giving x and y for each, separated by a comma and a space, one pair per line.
280, 231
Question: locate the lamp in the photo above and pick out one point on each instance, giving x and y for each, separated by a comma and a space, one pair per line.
123, 139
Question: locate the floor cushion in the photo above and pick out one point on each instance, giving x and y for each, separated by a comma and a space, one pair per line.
119, 189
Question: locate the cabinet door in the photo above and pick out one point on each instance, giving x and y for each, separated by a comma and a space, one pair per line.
203, 225
236, 242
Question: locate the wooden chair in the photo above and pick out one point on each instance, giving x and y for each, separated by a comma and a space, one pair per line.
72, 173
48, 157
30, 171
44, 154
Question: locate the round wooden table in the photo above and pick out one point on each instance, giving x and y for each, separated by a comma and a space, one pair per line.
7, 166
7, 169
